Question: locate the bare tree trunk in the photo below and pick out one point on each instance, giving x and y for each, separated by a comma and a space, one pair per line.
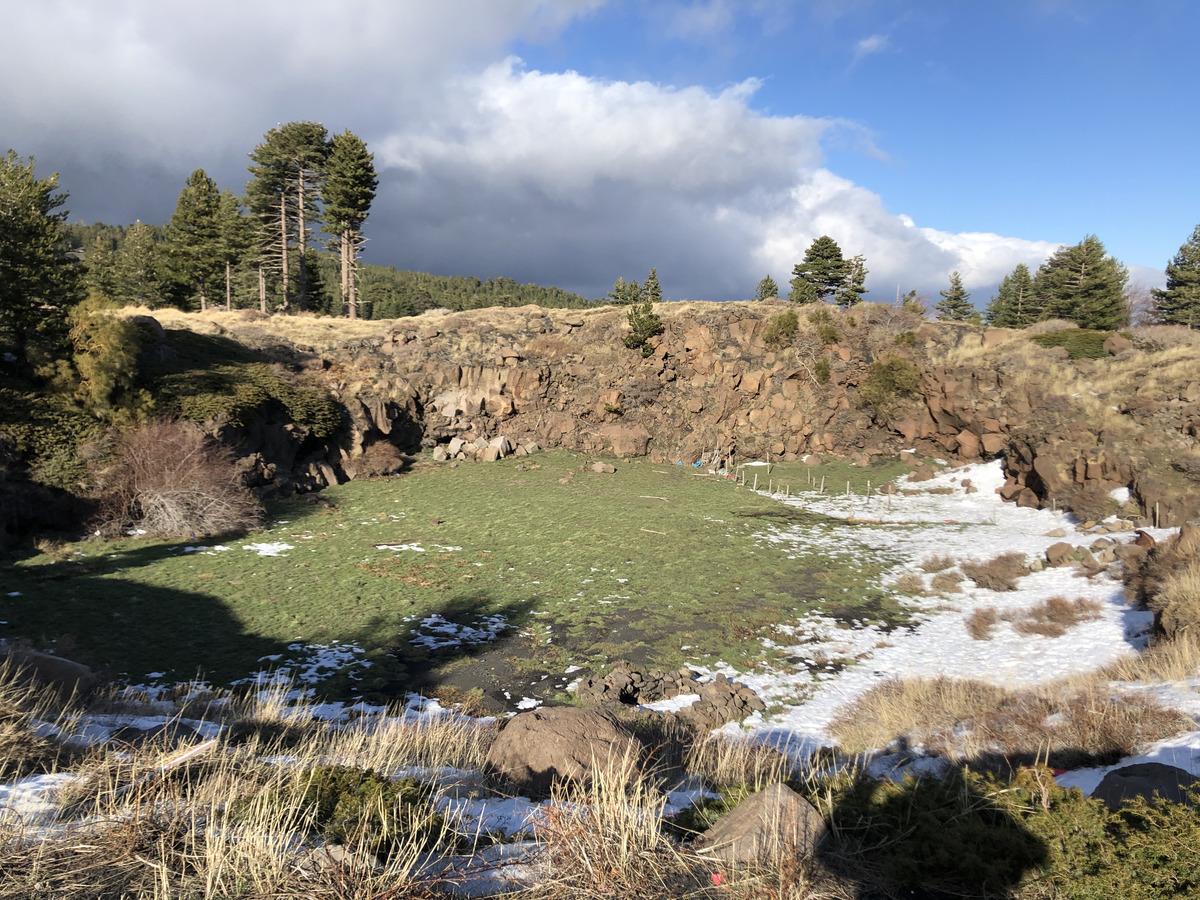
283, 245
347, 277
203, 300
228, 286
262, 290
352, 252
303, 236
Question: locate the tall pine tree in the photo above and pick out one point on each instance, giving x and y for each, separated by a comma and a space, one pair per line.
821, 273
194, 235
288, 169
955, 305
236, 239
349, 188
1084, 285
37, 282
1014, 305
1179, 302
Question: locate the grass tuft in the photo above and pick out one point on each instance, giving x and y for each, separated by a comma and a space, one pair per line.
999, 573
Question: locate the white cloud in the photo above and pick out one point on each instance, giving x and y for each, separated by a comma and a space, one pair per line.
486, 168
700, 21
876, 43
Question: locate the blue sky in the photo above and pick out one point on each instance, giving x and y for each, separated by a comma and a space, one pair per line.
574, 141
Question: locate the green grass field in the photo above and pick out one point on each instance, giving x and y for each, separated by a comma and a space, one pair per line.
657, 563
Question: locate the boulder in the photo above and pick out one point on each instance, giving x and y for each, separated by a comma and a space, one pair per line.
537, 748
42, 668
1060, 553
771, 824
627, 440
335, 857
1115, 344
1149, 780
603, 468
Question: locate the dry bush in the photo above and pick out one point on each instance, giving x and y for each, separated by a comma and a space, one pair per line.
607, 840
1163, 660
1092, 503
914, 708
999, 573
1049, 326
937, 563
55, 549
1177, 602
1156, 338
380, 458
723, 761
168, 478
1072, 724
910, 583
1072, 727
1055, 616
981, 622
945, 582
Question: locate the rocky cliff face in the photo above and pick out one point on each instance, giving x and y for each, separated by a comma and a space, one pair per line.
1070, 432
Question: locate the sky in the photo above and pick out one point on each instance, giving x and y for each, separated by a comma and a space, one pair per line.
572, 142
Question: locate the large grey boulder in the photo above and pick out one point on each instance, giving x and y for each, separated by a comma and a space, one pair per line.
43, 668
765, 827
539, 747
1149, 780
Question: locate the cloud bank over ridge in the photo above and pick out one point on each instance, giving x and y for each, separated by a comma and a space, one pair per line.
486, 167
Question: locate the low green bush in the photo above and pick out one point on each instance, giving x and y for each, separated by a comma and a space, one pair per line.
357, 807
1080, 343
890, 380
781, 330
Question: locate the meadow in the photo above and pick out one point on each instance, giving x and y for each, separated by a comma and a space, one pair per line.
476, 575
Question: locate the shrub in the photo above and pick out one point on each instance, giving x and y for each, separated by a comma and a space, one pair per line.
820, 315
906, 339
828, 333
997, 574
168, 478
645, 324
910, 583
1177, 603
938, 563
1093, 503
781, 330
1056, 616
889, 381
1080, 343
945, 582
821, 371
356, 807
981, 622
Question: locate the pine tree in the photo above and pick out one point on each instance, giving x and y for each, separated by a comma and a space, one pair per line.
236, 238
767, 288
955, 305
854, 286
1084, 285
37, 281
141, 272
194, 235
820, 274
288, 170
625, 293
1179, 302
651, 291
349, 188
1014, 305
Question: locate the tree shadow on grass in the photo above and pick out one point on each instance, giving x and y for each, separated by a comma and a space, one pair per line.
124, 627
464, 642
932, 838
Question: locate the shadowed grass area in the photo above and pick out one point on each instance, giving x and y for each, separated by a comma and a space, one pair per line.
656, 563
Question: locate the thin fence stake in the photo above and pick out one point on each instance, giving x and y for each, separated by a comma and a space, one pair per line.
755, 488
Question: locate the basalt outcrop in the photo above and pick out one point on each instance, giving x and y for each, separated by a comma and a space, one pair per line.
1070, 432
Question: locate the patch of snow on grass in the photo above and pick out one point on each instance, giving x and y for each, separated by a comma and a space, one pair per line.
437, 632
269, 549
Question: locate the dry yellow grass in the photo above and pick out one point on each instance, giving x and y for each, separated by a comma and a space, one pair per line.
1070, 723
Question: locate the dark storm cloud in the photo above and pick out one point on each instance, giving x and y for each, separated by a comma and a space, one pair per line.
485, 168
